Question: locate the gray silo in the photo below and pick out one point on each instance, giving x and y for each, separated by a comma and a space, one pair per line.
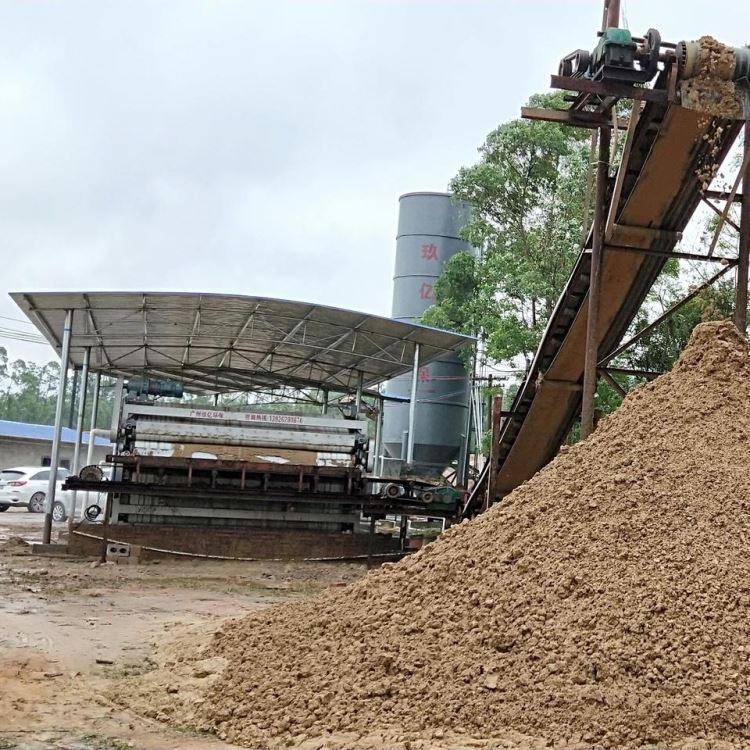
428, 234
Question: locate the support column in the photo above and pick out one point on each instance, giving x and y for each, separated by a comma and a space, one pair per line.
413, 406
378, 449
324, 410
611, 14
462, 477
740, 303
92, 426
57, 431
73, 397
496, 422
94, 412
76, 464
358, 395
464, 457
592, 340
382, 449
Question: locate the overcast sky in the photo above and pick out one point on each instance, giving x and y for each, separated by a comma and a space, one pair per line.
260, 147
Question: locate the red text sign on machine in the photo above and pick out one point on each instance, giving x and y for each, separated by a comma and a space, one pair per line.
246, 416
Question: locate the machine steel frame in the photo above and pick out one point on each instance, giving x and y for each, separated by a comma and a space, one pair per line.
593, 107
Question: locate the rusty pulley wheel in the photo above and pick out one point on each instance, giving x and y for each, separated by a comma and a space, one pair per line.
91, 473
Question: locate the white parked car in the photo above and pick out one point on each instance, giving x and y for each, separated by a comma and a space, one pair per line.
26, 486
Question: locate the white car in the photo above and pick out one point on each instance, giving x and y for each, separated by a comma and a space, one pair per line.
26, 486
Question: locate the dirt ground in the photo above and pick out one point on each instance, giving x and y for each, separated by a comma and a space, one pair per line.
70, 631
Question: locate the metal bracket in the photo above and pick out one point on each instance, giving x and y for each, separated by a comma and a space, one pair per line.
639, 238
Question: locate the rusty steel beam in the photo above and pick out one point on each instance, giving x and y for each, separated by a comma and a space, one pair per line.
716, 210
573, 117
670, 254
472, 500
613, 383
725, 213
592, 343
608, 88
718, 195
611, 14
495, 430
740, 302
666, 314
647, 374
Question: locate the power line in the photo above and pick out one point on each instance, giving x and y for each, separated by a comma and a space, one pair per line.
13, 334
17, 320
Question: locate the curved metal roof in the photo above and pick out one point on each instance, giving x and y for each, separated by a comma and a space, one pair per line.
217, 342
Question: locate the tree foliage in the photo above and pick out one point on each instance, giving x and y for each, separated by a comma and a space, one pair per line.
658, 350
527, 191
28, 393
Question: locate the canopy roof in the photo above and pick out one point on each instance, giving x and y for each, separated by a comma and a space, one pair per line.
216, 342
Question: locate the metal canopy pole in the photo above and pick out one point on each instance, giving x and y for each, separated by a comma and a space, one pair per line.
462, 471
76, 466
382, 448
413, 406
324, 409
592, 343
378, 436
358, 396
740, 305
73, 397
92, 425
95, 401
55, 457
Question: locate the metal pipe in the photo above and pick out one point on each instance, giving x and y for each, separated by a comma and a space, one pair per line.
592, 325
378, 436
718, 212
73, 397
81, 410
740, 304
463, 474
358, 395
613, 14
413, 406
57, 431
76, 467
462, 468
94, 415
93, 434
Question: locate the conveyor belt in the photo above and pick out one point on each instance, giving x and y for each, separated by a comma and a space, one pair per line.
660, 191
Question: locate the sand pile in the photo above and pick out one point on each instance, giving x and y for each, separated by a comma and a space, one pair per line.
712, 90
605, 602
713, 93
